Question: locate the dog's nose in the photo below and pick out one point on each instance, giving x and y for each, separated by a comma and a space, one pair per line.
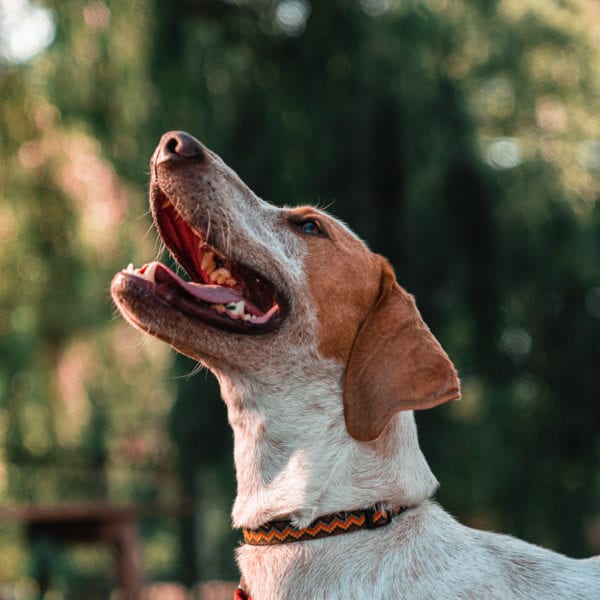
177, 146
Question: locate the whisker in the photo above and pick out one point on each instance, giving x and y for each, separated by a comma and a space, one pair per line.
198, 368
324, 205
150, 228
208, 223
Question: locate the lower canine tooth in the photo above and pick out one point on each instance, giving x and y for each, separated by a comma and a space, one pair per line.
235, 308
150, 272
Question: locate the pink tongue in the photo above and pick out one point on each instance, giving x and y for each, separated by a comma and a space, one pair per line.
213, 294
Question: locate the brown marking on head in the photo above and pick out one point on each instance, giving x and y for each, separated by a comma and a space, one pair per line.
343, 280
371, 324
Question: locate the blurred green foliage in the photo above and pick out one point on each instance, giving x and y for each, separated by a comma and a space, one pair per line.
460, 139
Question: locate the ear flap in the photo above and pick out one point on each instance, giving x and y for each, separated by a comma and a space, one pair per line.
395, 364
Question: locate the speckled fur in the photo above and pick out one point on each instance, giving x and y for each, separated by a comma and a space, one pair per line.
294, 457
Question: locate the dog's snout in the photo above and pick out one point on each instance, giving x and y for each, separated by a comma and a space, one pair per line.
177, 146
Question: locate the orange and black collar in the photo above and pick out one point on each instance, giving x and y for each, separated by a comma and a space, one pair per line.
283, 532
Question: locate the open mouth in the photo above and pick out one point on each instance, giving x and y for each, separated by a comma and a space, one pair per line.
221, 292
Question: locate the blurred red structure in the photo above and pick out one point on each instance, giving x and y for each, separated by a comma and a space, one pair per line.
87, 523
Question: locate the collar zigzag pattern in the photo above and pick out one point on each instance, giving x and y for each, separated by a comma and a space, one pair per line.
283, 532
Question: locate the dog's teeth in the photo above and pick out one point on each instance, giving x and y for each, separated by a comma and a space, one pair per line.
231, 282
130, 268
150, 272
208, 262
235, 308
220, 276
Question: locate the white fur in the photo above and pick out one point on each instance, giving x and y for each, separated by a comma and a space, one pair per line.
302, 464
295, 459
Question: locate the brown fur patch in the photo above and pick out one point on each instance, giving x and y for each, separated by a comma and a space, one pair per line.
342, 278
396, 364
367, 321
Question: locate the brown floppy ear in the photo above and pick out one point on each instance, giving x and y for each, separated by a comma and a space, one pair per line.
395, 364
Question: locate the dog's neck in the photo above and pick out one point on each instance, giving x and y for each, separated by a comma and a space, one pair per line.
284, 433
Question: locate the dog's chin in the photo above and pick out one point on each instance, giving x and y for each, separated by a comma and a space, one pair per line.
188, 325
153, 306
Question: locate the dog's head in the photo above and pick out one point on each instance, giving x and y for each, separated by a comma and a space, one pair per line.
276, 289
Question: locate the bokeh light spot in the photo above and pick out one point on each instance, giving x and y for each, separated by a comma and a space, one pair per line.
516, 343
503, 153
588, 154
26, 30
96, 15
375, 7
291, 16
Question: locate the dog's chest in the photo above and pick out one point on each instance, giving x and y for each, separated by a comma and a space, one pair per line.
347, 566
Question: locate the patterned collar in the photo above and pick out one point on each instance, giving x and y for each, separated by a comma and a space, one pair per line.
283, 532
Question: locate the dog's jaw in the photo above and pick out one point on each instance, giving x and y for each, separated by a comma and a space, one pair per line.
213, 200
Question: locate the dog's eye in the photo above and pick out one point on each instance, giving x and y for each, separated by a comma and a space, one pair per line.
311, 227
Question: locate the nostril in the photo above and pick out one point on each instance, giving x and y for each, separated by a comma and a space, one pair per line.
177, 145
171, 146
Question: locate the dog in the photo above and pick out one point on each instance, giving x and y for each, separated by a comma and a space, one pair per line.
321, 359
